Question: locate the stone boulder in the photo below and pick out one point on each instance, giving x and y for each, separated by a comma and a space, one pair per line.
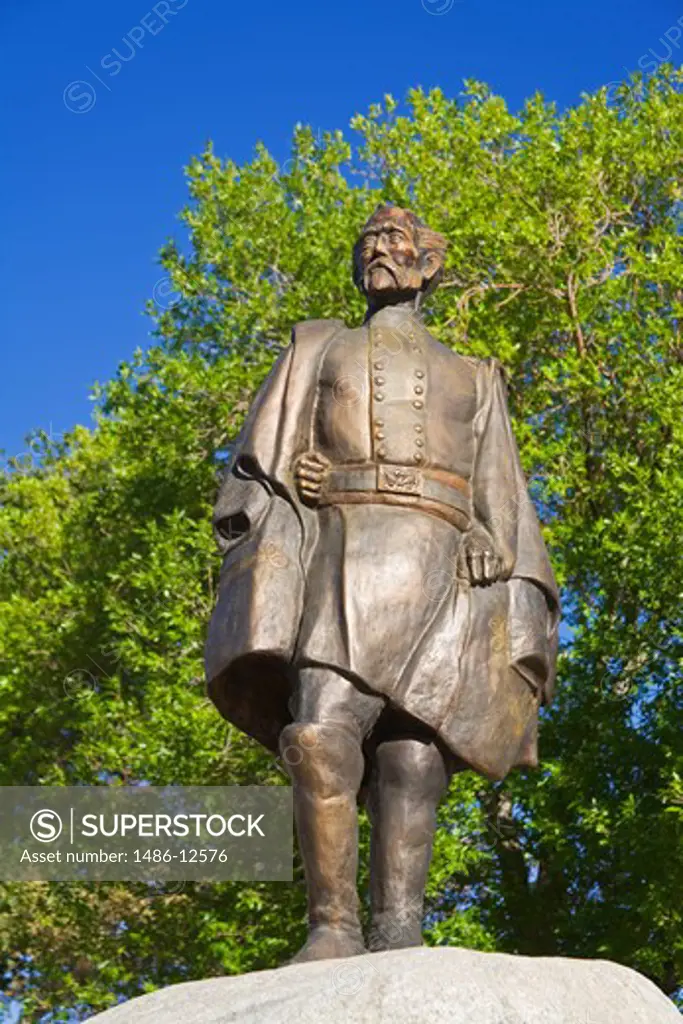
445, 985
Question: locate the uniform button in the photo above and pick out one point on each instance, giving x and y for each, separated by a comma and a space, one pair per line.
379, 365
417, 404
418, 389
419, 428
381, 452
379, 397
379, 381
417, 457
419, 442
380, 435
379, 423
418, 373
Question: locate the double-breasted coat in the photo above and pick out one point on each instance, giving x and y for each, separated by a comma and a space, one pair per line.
370, 580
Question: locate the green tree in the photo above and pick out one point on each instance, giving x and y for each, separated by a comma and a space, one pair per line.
564, 262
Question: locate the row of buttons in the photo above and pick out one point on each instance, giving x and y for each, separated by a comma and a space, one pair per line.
418, 456
378, 396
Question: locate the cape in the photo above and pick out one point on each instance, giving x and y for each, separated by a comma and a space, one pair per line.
479, 689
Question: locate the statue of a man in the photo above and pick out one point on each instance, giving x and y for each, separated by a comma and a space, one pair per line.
387, 611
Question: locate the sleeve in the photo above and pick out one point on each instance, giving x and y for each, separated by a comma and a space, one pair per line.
247, 487
503, 506
498, 483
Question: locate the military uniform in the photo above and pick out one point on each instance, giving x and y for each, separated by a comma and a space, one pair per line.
367, 582
395, 503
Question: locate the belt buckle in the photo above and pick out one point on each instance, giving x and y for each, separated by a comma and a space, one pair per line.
399, 479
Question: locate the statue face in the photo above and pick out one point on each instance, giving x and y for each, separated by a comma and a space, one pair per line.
390, 258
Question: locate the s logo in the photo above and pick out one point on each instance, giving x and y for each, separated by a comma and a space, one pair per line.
46, 826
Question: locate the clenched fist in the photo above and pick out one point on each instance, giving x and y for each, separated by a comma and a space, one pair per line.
478, 559
310, 471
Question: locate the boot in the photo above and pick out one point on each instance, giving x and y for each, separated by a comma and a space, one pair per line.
325, 763
408, 779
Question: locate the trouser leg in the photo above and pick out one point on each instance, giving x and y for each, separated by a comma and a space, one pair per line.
322, 753
408, 779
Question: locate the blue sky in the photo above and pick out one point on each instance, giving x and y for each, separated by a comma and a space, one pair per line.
105, 103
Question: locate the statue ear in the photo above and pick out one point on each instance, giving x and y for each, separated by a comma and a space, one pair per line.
431, 265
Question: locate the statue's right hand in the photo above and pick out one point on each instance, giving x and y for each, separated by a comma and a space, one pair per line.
310, 471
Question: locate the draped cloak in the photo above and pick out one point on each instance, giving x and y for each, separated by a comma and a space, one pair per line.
375, 591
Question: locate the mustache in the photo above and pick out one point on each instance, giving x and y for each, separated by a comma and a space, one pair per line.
381, 263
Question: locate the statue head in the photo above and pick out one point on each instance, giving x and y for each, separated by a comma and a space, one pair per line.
397, 258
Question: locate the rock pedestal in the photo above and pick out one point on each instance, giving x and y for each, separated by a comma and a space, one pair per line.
445, 985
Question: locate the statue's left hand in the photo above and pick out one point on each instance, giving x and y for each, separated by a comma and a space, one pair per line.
478, 559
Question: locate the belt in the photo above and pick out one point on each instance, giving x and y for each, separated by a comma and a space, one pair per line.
438, 492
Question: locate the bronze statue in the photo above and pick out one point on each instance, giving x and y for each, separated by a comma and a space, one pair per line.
387, 611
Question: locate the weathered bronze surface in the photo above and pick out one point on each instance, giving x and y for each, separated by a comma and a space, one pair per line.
387, 611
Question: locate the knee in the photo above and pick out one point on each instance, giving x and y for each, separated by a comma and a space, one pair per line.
298, 739
324, 756
412, 765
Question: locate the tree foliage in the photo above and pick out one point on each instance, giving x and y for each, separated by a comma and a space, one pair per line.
565, 263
